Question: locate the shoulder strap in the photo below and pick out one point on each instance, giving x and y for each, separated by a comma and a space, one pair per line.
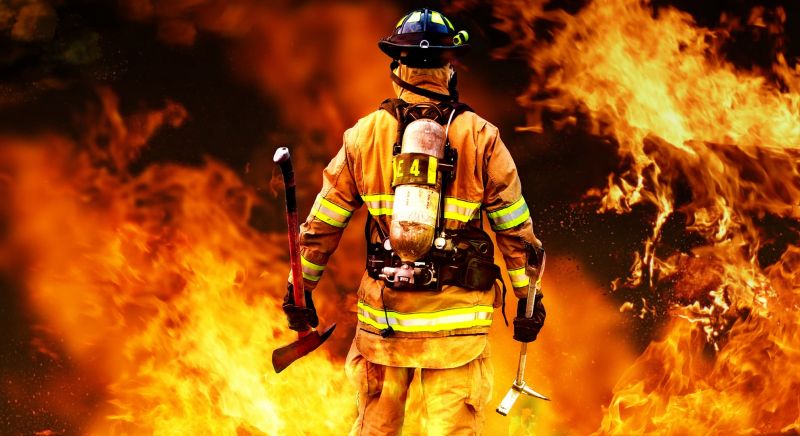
457, 107
392, 105
396, 107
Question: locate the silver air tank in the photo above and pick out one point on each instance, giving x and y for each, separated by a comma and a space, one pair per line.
416, 206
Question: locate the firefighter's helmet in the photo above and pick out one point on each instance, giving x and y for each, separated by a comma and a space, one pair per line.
425, 38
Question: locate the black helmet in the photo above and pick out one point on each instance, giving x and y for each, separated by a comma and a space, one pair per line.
424, 38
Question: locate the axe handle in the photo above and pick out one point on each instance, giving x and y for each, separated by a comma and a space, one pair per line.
523, 350
533, 288
284, 161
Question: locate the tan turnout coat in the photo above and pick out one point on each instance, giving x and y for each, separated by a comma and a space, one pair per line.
433, 329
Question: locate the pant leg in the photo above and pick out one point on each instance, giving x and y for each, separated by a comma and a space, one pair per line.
456, 398
382, 392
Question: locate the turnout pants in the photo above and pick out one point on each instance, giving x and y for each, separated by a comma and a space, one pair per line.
452, 402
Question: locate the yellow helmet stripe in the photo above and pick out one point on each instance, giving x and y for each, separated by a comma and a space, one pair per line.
449, 24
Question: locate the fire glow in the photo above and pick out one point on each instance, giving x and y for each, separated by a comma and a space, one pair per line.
657, 84
158, 289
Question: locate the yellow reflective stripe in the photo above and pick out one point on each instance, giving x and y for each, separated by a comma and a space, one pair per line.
329, 212
507, 210
519, 278
380, 211
330, 221
378, 197
460, 210
437, 18
379, 204
510, 216
462, 203
311, 271
400, 22
426, 315
457, 216
336, 208
432, 163
307, 263
449, 24
414, 17
516, 221
437, 328
449, 319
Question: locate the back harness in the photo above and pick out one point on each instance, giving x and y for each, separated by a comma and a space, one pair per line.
461, 257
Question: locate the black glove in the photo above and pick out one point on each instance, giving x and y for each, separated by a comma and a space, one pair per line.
300, 318
526, 329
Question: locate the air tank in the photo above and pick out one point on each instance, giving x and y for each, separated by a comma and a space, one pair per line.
416, 206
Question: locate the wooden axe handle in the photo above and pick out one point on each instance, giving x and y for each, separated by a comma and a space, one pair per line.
284, 161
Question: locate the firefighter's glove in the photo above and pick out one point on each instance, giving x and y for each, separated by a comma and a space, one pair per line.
526, 329
300, 318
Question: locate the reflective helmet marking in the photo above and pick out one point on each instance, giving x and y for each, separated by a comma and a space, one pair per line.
461, 37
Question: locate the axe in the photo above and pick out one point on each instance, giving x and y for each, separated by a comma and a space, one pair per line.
311, 339
519, 386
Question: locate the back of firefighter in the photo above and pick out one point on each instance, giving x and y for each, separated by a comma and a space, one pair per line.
442, 332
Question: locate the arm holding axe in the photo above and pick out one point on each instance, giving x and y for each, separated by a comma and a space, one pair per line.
529, 320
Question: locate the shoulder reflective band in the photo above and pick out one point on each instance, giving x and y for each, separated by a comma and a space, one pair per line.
510, 216
518, 277
460, 210
414, 169
311, 271
379, 204
451, 319
330, 213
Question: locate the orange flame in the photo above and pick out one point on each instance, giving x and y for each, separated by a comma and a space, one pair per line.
682, 115
159, 288
158, 284
161, 291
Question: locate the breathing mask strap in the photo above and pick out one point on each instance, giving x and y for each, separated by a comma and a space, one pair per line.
422, 91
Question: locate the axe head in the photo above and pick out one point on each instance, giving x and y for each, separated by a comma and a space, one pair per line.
284, 356
514, 393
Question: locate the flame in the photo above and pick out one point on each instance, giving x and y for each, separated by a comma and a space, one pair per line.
157, 284
156, 288
159, 291
699, 139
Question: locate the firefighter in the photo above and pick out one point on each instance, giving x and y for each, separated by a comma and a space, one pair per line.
423, 311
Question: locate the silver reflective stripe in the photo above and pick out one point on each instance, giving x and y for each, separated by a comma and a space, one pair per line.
379, 204
450, 319
311, 271
329, 212
519, 278
460, 210
510, 216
